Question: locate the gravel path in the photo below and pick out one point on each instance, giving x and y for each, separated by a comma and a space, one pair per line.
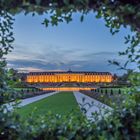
91, 105
30, 100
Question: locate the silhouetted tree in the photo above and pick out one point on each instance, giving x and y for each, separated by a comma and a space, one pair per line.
106, 91
111, 92
101, 91
119, 91
27, 90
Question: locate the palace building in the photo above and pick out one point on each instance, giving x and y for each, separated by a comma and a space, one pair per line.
69, 76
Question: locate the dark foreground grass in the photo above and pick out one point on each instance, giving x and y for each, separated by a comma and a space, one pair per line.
62, 103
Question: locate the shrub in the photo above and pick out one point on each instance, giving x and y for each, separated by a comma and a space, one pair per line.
106, 91
119, 92
111, 92
122, 124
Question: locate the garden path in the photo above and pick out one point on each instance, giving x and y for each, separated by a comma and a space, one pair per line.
27, 101
91, 106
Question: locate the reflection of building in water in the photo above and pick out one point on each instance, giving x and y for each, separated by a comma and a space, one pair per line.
69, 76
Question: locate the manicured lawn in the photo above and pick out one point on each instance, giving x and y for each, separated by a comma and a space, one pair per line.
61, 103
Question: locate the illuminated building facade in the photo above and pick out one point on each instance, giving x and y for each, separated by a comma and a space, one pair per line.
69, 76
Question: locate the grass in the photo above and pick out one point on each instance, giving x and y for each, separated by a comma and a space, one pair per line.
62, 103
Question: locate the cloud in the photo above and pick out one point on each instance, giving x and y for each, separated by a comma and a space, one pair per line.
104, 53
100, 55
30, 69
45, 54
51, 57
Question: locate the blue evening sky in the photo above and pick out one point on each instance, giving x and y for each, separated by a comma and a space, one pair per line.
85, 46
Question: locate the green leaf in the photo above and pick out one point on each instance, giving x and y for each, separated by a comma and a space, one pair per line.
38, 2
66, 2
126, 63
82, 18
46, 22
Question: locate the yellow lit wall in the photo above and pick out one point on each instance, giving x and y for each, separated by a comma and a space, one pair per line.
69, 77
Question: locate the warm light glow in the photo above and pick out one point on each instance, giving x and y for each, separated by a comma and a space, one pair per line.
68, 77
66, 88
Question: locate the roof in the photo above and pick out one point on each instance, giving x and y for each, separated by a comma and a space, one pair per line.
69, 72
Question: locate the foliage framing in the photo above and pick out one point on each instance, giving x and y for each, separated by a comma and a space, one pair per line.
116, 13
6, 38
